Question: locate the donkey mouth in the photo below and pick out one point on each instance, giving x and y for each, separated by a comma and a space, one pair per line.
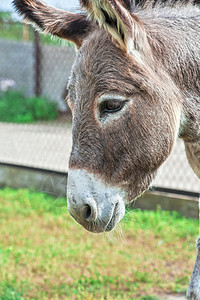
113, 220
95, 205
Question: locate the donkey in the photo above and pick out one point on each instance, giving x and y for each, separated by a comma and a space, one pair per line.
134, 88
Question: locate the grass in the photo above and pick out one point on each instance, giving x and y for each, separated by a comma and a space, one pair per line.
45, 254
16, 108
17, 31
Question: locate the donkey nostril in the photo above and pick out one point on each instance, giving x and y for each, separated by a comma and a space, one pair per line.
87, 212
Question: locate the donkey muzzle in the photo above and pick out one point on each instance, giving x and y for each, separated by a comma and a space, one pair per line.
97, 206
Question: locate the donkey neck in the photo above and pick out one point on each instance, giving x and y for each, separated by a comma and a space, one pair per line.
174, 38
173, 35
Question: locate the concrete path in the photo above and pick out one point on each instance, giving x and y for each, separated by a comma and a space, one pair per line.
40, 146
48, 146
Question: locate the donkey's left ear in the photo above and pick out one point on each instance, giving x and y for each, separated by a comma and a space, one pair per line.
115, 16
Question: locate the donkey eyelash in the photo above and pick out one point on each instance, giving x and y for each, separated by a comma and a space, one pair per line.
111, 109
111, 106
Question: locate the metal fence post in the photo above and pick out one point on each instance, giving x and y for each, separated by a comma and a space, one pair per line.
37, 53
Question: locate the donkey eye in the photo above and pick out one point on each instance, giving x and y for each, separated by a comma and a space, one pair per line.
111, 106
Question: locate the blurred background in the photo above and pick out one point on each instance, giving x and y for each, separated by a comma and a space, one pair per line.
44, 254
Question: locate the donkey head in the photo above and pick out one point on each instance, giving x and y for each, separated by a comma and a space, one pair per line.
125, 107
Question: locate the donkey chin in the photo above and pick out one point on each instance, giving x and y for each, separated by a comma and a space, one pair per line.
97, 206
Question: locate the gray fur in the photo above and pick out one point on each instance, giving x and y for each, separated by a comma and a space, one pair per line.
150, 56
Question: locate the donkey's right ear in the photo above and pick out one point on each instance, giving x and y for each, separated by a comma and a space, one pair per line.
71, 26
125, 28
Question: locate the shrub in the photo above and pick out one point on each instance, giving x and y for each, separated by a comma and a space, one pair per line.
16, 108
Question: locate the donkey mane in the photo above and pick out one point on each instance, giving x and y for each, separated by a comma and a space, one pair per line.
169, 42
149, 4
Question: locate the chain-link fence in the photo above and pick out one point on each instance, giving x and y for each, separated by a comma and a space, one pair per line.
42, 66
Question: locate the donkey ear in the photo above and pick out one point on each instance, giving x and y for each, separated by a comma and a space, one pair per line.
71, 26
115, 16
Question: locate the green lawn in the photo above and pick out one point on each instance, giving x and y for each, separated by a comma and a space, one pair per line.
45, 254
